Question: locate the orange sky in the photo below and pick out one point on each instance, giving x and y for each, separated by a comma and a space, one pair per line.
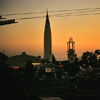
27, 35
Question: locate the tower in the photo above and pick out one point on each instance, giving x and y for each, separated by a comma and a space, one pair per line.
71, 50
47, 40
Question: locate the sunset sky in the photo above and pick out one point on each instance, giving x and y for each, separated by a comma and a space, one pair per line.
28, 35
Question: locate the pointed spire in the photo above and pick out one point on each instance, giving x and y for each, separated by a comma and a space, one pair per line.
47, 18
47, 14
47, 10
47, 39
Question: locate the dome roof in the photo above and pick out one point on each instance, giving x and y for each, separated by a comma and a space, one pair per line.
23, 58
71, 39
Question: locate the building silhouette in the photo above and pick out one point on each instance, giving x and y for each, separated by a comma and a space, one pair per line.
22, 59
71, 50
47, 40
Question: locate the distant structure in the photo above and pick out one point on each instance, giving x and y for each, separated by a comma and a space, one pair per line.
47, 40
71, 50
3, 58
21, 60
6, 22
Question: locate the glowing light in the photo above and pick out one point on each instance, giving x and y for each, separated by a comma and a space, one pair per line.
35, 64
60, 66
15, 67
48, 70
